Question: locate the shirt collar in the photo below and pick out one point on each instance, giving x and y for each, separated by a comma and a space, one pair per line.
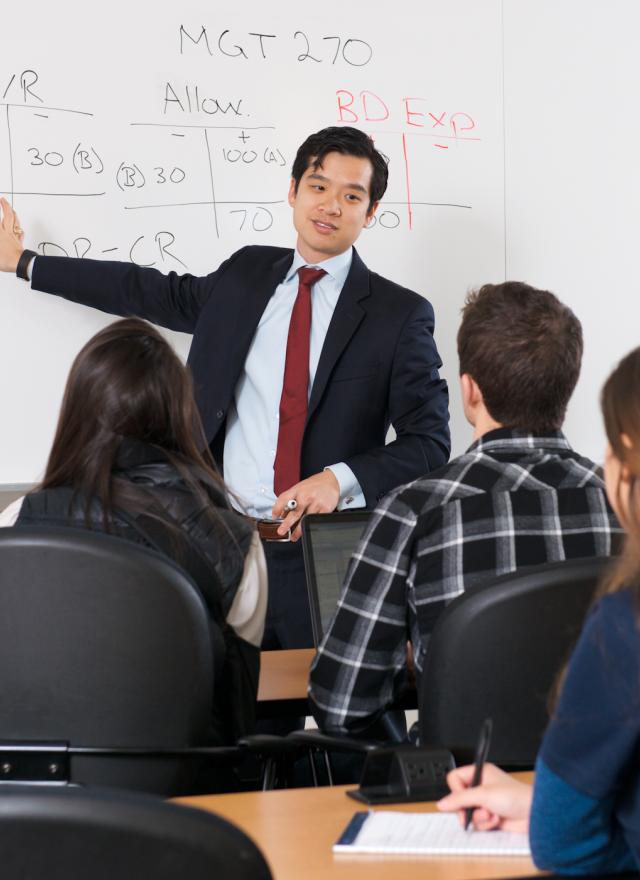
337, 267
516, 438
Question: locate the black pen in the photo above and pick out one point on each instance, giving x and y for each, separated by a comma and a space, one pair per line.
482, 750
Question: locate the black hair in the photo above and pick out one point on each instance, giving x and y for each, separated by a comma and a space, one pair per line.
350, 142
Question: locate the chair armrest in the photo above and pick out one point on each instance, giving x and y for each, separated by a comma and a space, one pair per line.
315, 739
267, 745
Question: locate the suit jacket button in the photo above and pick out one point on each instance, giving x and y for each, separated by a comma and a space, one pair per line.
220, 413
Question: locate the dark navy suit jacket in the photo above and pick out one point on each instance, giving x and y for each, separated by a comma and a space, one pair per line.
378, 366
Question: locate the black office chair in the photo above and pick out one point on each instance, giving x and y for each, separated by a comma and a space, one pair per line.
496, 652
104, 644
71, 834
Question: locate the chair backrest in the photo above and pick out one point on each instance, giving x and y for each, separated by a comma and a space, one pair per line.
328, 540
56, 834
102, 643
496, 652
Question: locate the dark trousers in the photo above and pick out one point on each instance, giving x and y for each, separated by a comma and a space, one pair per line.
288, 622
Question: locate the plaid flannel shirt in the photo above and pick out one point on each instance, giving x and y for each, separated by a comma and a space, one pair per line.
513, 499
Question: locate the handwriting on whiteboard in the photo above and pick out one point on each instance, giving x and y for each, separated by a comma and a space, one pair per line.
200, 150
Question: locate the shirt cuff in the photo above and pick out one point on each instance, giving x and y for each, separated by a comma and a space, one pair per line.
351, 495
30, 269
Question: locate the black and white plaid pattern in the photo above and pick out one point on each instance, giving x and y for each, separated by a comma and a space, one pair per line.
512, 500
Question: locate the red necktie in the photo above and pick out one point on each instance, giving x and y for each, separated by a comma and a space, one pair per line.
295, 386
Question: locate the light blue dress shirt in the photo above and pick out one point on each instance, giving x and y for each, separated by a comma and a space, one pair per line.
252, 423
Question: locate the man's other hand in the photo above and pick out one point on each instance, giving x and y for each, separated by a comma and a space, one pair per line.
317, 494
11, 238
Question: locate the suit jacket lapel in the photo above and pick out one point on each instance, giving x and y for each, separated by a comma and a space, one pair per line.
346, 318
260, 286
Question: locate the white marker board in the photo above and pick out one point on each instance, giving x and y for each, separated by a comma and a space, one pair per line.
166, 136
572, 128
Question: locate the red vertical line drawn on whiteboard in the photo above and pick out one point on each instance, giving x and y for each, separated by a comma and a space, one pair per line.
10, 155
213, 190
406, 171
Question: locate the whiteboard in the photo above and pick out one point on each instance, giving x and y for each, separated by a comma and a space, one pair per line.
165, 135
572, 174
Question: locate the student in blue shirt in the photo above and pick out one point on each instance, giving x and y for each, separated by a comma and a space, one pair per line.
583, 813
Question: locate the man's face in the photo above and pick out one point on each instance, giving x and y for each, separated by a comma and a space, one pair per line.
331, 206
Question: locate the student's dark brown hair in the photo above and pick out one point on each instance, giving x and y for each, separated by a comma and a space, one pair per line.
127, 382
620, 402
523, 348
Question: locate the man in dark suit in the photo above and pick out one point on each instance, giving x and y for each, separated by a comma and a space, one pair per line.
293, 411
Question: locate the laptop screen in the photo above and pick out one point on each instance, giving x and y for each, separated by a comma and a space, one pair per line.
328, 540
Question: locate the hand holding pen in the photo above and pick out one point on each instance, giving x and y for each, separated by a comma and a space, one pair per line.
488, 795
482, 750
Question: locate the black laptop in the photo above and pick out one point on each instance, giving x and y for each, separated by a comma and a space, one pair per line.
328, 540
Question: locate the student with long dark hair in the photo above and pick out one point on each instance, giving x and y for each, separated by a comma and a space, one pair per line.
583, 812
129, 458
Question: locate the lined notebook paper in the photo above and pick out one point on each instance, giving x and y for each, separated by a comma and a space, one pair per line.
434, 834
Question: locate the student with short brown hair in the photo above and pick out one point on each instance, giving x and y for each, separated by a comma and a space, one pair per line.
519, 496
523, 348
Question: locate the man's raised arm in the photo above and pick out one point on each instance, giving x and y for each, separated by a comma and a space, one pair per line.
117, 288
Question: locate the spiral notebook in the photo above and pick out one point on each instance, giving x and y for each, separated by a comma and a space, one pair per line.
434, 834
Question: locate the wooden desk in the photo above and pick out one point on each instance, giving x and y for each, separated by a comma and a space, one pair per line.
296, 828
282, 689
284, 674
